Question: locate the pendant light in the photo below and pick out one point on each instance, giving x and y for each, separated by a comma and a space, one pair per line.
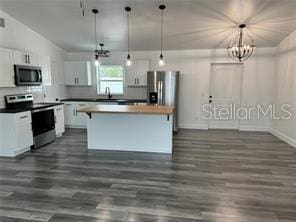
242, 46
97, 58
128, 58
161, 59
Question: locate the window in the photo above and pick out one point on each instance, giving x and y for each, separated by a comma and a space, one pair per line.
112, 77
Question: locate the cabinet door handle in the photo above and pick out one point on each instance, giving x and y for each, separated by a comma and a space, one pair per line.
82, 105
135, 81
24, 117
55, 119
59, 109
74, 112
26, 58
77, 81
68, 104
29, 59
138, 81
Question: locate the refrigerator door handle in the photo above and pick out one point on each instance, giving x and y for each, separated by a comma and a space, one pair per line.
160, 93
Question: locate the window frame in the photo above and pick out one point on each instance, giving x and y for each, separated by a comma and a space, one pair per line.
99, 80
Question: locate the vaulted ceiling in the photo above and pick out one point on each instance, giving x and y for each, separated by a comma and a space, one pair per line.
188, 24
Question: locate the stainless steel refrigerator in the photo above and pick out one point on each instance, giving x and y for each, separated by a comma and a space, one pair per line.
162, 89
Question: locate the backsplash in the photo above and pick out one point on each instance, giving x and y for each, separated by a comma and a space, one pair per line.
37, 92
91, 92
52, 93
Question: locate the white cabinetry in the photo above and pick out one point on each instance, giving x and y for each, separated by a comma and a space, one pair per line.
78, 73
136, 75
59, 120
25, 58
74, 119
9, 58
6, 68
16, 134
44, 63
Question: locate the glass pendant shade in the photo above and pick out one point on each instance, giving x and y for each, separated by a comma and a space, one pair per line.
97, 61
128, 60
242, 46
161, 61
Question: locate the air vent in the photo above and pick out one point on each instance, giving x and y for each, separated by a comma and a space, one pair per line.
2, 22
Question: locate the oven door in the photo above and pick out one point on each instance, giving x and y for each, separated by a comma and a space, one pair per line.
42, 121
27, 75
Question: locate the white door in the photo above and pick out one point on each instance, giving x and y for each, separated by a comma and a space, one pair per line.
6, 68
44, 62
59, 120
225, 95
25, 58
81, 118
142, 67
20, 58
70, 73
130, 75
69, 113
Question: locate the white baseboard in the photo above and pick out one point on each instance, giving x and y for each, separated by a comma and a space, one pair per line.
253, 129
132, 149
193, 126
283, 137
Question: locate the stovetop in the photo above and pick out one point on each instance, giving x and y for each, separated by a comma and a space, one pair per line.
28, 107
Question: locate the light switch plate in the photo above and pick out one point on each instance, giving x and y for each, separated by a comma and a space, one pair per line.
2, 22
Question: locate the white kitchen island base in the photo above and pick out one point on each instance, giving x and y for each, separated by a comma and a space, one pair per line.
130, 132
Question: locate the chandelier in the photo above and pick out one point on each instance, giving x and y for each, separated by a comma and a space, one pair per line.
242, 46
102, 52
98, 52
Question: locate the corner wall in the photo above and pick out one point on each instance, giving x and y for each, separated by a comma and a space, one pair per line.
285, 89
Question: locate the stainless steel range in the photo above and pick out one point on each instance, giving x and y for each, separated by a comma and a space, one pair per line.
43, 120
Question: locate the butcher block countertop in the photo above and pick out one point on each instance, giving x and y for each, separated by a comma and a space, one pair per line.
129, 109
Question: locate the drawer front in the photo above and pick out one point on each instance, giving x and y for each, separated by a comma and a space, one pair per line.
23, 118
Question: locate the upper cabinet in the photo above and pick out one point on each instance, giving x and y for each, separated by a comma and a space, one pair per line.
25, 58
136, 75
78, 73
10, 57
6, 68
44, 63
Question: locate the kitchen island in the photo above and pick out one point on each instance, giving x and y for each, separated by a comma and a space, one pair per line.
145, 128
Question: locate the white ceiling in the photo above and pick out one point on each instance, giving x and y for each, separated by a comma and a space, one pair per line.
188, 24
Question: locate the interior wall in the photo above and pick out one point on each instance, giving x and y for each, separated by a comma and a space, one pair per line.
285, 89
18, 36
195, 66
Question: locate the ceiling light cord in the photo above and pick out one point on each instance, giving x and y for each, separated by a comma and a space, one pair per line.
161, 31
128, 34
128, 58
96, 38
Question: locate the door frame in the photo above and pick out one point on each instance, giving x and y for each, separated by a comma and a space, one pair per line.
241, 88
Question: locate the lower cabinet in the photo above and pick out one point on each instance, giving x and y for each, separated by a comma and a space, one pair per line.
59, 120
16, 135
74, 119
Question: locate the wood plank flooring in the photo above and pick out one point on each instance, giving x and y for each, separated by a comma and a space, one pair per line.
213, 175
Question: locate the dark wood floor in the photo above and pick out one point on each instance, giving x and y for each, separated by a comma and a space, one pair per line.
212, 176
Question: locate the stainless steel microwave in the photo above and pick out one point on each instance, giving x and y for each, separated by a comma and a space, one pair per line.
27, 75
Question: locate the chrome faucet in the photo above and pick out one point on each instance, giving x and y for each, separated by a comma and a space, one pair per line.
107, 91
